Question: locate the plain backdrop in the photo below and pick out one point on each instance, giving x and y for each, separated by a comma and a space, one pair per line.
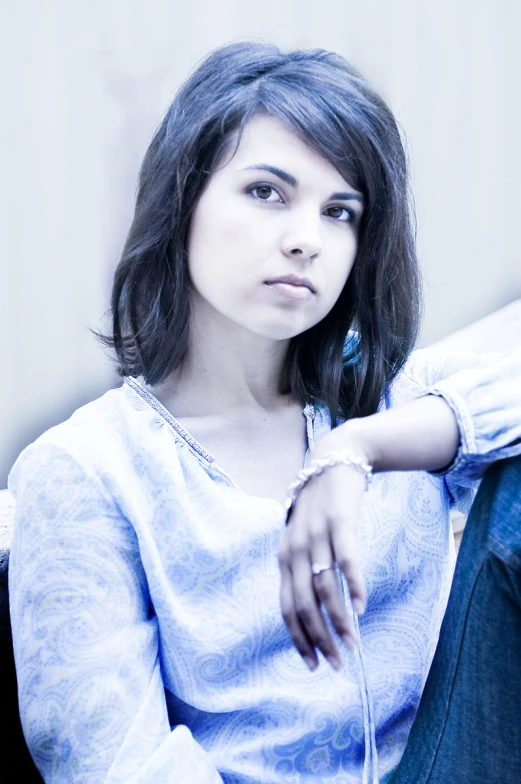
83, 86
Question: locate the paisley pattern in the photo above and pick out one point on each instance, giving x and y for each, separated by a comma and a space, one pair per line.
144, 597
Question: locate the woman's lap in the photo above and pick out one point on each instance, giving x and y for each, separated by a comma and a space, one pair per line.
468, 726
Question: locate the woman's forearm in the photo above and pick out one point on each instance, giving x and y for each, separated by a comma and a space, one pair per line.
420, 435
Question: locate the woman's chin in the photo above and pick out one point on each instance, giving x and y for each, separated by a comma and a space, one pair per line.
278, 331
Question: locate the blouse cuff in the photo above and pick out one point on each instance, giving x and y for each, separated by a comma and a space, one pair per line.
487, 405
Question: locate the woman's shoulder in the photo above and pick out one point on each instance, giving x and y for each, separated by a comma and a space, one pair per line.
97, 422
102, 437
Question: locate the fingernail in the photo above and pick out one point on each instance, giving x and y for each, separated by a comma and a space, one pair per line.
312, 664
358, 606
334, 662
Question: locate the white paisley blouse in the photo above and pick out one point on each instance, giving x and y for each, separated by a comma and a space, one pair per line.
144, 591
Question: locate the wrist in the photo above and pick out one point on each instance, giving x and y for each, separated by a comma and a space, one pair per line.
353, 436
318, 465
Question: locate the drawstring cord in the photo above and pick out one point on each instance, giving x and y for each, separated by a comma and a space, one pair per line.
370, 771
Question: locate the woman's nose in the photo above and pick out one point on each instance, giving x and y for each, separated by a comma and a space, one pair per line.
303, 241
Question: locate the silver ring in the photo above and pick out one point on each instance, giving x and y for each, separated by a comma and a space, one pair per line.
318, 568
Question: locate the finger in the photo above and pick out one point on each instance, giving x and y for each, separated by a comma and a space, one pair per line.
328, 589
290, 617
307, 608
346, 553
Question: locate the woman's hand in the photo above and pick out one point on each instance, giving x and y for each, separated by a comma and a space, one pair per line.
420, 435
322, 532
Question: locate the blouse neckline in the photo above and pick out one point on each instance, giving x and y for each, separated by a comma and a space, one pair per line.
201, 453
163, 412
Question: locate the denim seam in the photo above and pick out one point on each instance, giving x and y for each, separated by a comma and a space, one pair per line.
505, 553
456, 667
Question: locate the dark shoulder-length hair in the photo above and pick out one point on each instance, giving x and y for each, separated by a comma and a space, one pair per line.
348, 359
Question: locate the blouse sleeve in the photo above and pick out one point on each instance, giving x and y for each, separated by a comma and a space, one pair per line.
91, 696
484, 392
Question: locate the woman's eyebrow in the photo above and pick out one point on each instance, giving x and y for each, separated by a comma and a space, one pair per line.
290, 180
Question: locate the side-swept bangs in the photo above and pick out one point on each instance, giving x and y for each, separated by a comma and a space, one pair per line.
330, 106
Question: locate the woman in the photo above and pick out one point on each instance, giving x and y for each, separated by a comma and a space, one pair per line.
268, 290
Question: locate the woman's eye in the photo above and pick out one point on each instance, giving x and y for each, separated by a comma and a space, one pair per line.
263, 193
341, 213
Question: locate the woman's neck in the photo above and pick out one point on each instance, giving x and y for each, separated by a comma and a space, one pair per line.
223, 372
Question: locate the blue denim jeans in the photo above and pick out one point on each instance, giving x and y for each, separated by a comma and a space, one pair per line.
468, 727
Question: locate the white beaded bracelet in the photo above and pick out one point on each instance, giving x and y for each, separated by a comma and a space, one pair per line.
316, 467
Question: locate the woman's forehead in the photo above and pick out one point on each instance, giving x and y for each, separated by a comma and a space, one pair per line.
269, 143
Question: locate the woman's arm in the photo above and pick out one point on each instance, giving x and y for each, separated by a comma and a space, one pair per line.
91, 695
459, 427
420, 435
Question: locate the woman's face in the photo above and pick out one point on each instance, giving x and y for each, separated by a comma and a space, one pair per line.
275, 210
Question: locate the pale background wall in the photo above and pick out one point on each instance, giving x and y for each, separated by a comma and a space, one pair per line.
83, 86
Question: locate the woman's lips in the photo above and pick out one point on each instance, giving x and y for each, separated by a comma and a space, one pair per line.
290, 290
